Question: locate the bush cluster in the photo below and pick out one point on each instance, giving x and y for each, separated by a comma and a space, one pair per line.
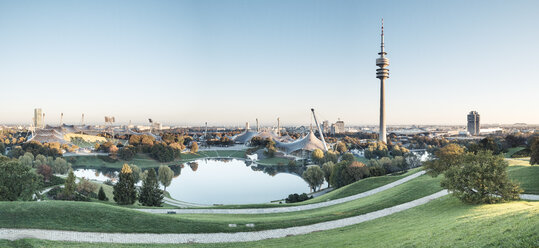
297, 198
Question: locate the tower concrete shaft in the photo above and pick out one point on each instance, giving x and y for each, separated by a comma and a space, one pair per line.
382, 73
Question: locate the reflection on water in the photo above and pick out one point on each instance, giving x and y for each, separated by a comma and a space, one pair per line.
223, 181
97, 175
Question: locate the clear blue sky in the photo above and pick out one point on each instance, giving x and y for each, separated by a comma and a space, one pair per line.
227, 62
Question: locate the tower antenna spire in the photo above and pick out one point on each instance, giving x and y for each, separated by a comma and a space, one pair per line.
382, 46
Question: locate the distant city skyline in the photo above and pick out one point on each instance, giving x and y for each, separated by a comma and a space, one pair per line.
229, 62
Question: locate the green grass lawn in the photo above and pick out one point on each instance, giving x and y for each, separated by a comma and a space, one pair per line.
518, 161
521, 171
141, 160
273, 161
512, 151
361, 159
90, 216
445, 222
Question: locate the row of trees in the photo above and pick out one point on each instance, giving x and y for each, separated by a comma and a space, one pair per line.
53, 149
57, 165
125, 192
380, 149
348, 170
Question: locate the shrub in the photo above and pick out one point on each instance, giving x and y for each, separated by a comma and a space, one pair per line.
297, 198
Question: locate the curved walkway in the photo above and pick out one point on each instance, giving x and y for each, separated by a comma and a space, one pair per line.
529, 197
285, 209
147, 238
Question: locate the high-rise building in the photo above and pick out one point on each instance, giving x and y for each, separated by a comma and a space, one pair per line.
339, 126
325, 126
382, 73
473, 123
38, 118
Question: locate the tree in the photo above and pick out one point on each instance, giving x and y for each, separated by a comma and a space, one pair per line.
69, 186
147, 140
165, 175
18, 182
331, 156
124, 190
336, 175
490, 144
27, 159
480, 178
314, 176
101, 195
150, 194
194, 147
45, 171
60, 166
2, 148
136, 172
86, 187
318, 156
270, 148
127, 153
328, 167
399, 151
376, 150
399, 163
348, 157
16, 152
162, 153
534, 156
355, 171
447, 157
341, 147
40, 160
193, 165
412, 160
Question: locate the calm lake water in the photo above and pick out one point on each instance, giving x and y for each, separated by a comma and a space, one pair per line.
222, 181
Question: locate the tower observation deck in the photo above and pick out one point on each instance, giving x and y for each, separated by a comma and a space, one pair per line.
382, 73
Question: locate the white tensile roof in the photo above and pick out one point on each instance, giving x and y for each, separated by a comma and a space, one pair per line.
309, 143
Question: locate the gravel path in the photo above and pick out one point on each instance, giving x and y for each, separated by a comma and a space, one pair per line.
285, 209
147, 238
